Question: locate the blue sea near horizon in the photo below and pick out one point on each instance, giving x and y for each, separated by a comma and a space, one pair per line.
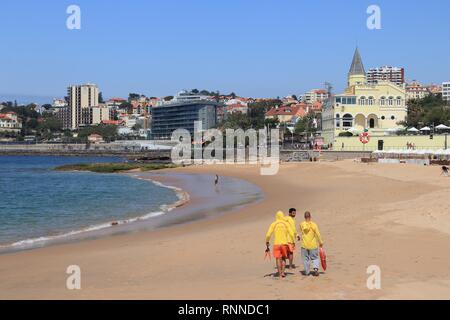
39, 202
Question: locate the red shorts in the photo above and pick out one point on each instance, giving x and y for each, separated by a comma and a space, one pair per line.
281, 251
291, 248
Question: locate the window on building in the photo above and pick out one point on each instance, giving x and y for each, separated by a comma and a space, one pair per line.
383, 101
371, 101
362, 101
347, 121
348, 100
391, 101
338, 120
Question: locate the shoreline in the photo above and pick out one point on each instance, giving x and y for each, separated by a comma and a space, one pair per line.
223, 257
90, 230
118, 226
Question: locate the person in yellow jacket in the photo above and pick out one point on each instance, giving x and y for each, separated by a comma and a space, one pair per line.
311, 241
282, 232
291, 220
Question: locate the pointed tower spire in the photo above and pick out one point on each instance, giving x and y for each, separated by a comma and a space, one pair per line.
357, 67
357, 74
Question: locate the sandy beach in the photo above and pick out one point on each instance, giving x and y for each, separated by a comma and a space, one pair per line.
394, 216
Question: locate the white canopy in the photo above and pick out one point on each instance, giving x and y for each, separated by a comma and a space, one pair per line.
442, 127
413, 129
354, 130
425, 129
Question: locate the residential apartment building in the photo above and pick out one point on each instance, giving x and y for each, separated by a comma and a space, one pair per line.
96, 115
115, 102
59, 103
446, 91
315, 95
233, 108
287, 114
386, 73
10, 122
434, 89
415, 90
80, 98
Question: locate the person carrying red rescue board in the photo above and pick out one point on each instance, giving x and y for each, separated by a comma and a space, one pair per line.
311, 241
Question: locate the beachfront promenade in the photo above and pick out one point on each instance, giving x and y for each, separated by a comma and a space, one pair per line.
133, 151
129, 149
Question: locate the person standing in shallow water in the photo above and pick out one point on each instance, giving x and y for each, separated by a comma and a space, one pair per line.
216, 180
311, 241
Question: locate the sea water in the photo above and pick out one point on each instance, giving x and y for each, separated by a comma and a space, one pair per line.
38, 203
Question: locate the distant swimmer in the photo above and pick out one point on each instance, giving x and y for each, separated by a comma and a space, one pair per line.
311, 241
282, 232
291, 220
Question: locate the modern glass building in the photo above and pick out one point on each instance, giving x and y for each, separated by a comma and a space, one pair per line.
182, 115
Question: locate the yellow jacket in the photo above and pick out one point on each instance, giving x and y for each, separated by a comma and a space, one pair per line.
311, 238
280, 229
291, 222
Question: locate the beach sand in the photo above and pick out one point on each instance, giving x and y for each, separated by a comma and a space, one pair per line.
394, 216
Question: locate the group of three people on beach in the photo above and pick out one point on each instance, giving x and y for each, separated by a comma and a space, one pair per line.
285, 235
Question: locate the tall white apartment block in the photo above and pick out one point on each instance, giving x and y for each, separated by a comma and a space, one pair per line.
446, 91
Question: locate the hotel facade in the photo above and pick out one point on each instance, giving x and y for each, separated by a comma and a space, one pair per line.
181, 113
376, 107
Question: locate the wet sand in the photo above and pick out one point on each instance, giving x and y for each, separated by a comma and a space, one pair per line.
393, 216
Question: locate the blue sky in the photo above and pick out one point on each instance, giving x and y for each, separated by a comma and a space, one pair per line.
263, 48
